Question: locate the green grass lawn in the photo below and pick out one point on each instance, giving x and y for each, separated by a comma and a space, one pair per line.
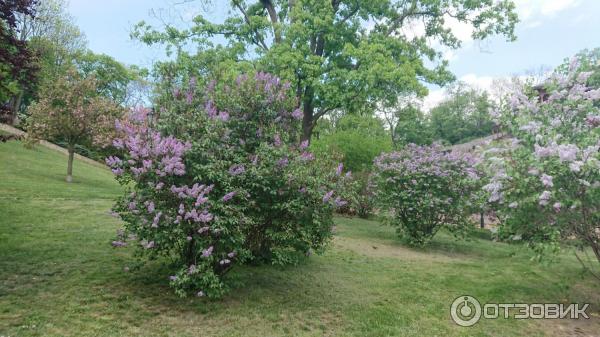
59, 276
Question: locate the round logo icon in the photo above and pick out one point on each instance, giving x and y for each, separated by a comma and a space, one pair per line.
465, 310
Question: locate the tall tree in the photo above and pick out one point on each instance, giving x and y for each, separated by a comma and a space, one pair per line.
406, 122
54, 38
113, 79
344, 54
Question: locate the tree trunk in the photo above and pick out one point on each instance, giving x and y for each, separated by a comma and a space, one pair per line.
393, 133
481, 220
14, 106
71, 150
308, 113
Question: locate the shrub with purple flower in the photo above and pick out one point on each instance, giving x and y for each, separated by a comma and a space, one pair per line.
550, 187
232, 190
171, 214
422, 189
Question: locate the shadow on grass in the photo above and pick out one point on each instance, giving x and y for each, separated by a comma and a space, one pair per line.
443, 243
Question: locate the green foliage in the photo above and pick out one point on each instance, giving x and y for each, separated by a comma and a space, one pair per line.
113, 79
411, 127
356, 139
462, 117
53, 37
330, 51
17, 66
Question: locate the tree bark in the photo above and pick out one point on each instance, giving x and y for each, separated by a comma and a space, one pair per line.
268, 5
14, 106
71, 150
308, 114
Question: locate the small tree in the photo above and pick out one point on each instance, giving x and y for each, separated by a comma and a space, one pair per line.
424, 188
71, 110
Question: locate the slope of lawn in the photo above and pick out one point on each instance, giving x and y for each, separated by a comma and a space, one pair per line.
59, 276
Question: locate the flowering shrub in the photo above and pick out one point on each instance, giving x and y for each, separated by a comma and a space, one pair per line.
424, 188
357, 195
170, 213
235, 186
547, 181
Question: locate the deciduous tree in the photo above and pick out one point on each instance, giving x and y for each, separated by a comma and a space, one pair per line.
72, 111
344, 54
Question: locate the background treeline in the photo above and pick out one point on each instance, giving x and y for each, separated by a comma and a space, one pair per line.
40, 43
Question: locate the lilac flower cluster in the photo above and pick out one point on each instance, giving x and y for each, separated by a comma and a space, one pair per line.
428, 160
160, 218
148, 152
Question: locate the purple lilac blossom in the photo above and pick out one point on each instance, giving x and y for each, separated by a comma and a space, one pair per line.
327, 196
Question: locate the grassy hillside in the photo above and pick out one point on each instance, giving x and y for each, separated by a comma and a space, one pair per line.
59, 276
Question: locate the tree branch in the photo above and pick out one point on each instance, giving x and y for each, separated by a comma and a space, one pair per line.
349, 15
585, 267
268, 5
257, 37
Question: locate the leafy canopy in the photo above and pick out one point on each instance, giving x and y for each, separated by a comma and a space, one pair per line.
462, 117
341, 54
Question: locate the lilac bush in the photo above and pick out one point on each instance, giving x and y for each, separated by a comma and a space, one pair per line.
546, 185
235, 186
422, 189
167, 212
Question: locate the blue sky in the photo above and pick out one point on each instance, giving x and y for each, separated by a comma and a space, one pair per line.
549, 32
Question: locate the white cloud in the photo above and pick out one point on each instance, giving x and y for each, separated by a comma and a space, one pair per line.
532, 12
462, 30
433, 99
449, 55
495, 86
478, 82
